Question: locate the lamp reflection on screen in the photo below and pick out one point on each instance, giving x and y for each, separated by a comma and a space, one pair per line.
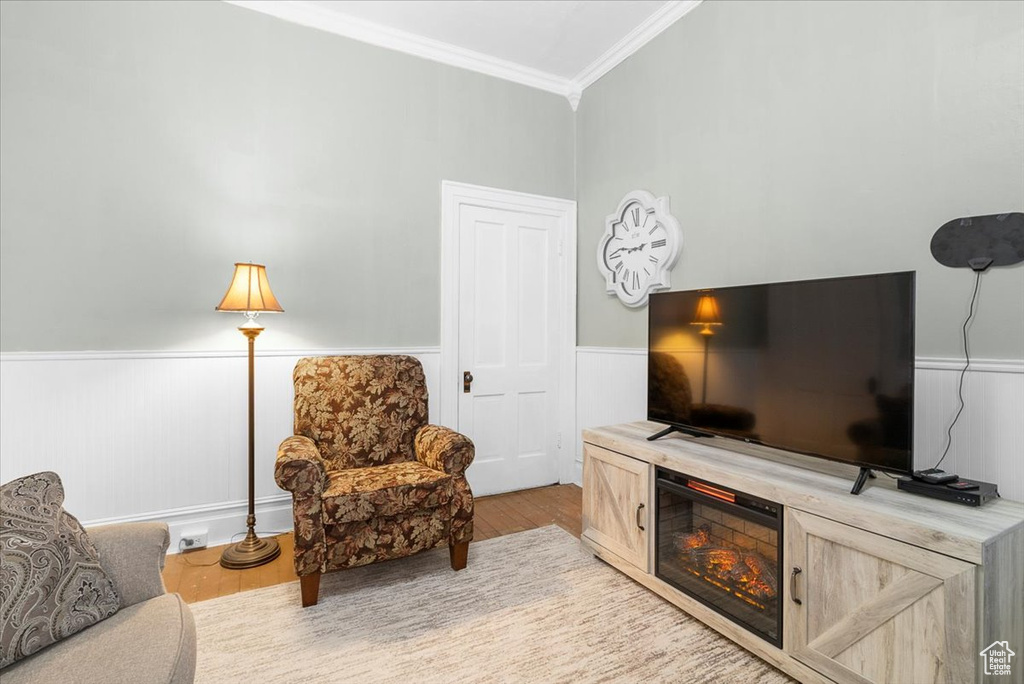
707, 315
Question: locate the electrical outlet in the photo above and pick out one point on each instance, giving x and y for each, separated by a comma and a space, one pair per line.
193, 540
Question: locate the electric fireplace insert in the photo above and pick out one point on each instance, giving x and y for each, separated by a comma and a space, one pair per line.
723, 548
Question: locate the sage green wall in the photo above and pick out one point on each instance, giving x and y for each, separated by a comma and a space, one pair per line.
813, 139
145, 147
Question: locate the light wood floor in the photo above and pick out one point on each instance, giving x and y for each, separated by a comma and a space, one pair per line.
197, 575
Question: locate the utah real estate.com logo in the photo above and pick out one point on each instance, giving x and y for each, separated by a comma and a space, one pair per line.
997, 658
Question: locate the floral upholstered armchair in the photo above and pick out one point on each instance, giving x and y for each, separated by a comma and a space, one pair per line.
370, 480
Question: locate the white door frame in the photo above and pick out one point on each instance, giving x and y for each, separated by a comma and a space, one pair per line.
453, 197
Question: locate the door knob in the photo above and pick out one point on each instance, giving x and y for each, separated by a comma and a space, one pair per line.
467, 381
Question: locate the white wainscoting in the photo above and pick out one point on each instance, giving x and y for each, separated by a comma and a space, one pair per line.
158, 435
988, 441
611, 387
162, 435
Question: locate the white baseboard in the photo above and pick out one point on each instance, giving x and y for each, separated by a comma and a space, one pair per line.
223, 522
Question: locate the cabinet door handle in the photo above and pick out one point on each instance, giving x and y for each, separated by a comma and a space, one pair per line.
792, 586
639, 520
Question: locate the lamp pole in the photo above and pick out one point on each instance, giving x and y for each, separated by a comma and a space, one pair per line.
250, 520
251, 551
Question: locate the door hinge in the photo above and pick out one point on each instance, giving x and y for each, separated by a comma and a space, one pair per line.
560, 244
559, 440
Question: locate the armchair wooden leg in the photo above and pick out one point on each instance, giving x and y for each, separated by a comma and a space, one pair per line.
458, 554
310, 589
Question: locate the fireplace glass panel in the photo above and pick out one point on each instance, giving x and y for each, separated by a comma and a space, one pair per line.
722, 548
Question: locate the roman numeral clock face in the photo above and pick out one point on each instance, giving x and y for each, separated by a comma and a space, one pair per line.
640, 245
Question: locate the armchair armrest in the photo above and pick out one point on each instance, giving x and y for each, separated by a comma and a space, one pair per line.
133, 554
299, 468
444, 449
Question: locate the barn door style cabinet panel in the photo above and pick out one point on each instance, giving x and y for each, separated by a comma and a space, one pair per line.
864, 606
772, 550
615, 506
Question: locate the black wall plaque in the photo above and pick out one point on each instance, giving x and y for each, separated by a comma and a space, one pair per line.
980, 241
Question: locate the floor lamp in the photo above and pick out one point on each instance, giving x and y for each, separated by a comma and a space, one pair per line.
249, 293
707, 316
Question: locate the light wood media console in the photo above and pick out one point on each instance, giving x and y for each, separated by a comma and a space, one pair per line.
894, 587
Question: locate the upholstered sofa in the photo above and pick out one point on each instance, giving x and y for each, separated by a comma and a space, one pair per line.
370, 480
151, 638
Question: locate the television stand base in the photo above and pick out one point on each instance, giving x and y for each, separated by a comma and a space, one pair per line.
693, 432
962, 563
862, 479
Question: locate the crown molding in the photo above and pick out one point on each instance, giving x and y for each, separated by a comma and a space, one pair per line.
669, 13
574, 95
308, 14
315, 16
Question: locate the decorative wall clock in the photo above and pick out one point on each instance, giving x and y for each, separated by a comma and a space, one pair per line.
640, 244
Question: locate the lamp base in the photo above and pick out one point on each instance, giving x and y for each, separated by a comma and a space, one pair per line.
251, 552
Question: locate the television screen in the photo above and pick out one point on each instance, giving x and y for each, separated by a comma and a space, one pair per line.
821, 367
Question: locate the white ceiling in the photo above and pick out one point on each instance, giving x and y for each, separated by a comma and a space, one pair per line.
557, 45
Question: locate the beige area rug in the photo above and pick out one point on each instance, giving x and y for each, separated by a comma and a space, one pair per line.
530, 607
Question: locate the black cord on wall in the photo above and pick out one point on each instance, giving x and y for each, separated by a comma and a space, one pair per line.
967, 354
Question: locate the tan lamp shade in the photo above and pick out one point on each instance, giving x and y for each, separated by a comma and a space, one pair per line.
249, 291
707, 314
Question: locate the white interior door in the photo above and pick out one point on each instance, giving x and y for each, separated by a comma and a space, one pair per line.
510, 341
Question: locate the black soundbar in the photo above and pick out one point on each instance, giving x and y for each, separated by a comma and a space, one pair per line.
985, 492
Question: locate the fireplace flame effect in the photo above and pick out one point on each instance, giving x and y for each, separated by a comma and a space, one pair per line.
745, 574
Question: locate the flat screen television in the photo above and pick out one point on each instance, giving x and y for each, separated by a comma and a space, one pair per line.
819, 367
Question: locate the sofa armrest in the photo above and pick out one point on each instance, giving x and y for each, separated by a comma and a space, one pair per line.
444, 449
133, 554
299, 468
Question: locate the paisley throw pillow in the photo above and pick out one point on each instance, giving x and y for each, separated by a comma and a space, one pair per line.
51, 581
